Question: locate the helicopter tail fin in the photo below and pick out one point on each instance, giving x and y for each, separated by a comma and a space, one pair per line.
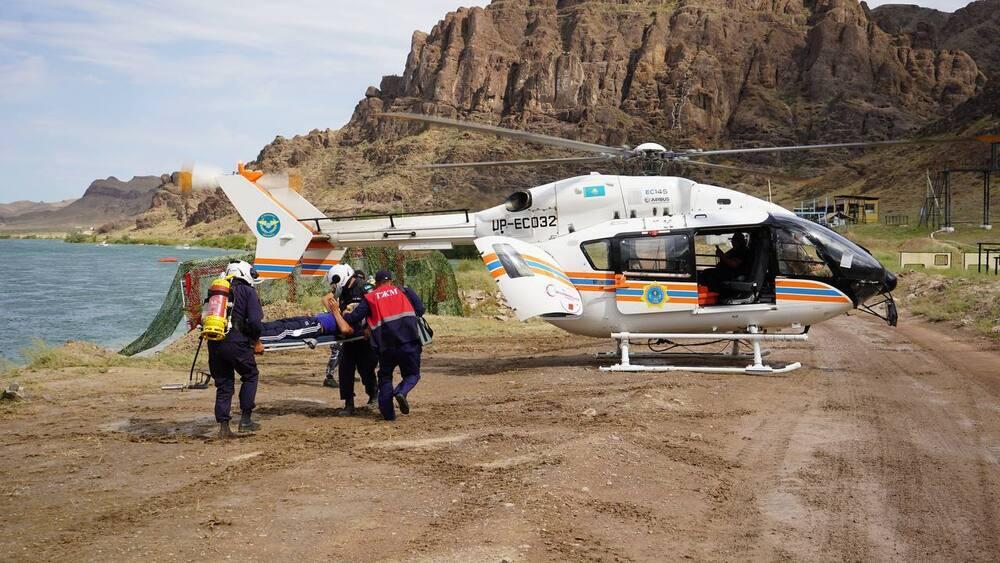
283, 240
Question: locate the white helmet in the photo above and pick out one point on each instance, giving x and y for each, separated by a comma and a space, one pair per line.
337, 276
244, 271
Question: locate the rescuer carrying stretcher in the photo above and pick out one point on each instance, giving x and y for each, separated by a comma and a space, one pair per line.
347, 292
392, 317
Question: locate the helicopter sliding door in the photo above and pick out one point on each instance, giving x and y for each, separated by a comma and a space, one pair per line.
658, 272
531, 281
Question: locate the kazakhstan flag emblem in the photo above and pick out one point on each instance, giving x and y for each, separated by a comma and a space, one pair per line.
593, 191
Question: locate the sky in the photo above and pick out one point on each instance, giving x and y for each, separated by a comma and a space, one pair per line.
98, 88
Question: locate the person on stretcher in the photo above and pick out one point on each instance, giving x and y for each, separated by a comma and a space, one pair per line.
306, 329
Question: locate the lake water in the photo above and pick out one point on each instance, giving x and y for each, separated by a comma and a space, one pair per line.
58, 291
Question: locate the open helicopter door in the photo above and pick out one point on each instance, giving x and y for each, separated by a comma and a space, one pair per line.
531, 281
657, 273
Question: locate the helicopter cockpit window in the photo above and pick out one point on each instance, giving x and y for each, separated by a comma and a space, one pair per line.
513, 263
796, 236
797, 256
669, 255
598, 253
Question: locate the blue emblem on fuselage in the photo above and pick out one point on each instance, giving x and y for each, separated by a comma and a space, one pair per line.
268, 225
655, 295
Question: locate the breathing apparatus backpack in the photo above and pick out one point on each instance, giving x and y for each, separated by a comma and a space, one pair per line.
217, 315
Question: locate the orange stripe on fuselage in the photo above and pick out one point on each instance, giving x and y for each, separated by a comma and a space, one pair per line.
670, 301
805, 284
598, 288
276, 261
317, 262
549, 274
816, 298
670, 286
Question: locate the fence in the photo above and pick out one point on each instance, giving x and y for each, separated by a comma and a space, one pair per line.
896, 220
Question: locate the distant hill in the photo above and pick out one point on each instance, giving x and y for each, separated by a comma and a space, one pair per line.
104, 201
15, 208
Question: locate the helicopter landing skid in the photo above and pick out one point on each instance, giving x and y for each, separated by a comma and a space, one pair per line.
753, 336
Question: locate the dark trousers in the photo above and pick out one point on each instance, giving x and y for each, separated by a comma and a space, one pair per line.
225, 358
407, 357
357, 356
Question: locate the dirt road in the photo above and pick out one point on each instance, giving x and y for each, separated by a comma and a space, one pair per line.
885, 447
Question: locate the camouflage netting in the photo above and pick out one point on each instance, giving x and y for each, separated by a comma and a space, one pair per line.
428, 273
185, 295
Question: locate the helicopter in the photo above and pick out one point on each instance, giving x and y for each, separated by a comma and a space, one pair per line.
630, 257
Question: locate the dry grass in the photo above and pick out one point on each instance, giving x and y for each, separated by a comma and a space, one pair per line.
969, 302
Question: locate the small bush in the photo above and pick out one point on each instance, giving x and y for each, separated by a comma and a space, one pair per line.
80, 238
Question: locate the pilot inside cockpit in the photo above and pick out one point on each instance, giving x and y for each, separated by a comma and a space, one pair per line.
734, 267
734, 262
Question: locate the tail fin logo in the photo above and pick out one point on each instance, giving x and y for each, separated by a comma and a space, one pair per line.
268, 225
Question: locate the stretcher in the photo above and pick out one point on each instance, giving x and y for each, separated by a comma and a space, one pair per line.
325, 340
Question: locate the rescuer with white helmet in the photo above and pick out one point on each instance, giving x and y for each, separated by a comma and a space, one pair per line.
347, 291
235, 353
337, 277
242, 270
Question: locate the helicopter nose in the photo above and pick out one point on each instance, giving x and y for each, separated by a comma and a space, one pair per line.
890, 282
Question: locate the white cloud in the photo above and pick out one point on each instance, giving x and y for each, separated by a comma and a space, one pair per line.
22, 77
136, 87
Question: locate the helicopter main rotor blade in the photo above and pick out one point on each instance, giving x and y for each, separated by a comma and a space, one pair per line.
510, 133
696, 154
534, 162
767, 173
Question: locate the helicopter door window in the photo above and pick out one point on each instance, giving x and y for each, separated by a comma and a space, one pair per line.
598, 253
797, 256
667, 255
513, 263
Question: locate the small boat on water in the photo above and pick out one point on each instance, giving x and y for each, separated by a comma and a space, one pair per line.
185, 247
168, 259
104, 243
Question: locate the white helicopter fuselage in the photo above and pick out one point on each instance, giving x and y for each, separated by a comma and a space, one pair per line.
597, 254
565, 215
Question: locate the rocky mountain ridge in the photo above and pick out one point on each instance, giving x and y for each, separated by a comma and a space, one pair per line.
974, 29
15, 208
694, 71
104, 201
689, 73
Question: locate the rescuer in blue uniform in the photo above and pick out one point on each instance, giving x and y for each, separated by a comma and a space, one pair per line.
349, 289
235, 353
392, 314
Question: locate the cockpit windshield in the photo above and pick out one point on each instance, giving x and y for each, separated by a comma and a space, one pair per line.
810, 249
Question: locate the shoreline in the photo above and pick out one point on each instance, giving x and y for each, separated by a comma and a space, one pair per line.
230, 242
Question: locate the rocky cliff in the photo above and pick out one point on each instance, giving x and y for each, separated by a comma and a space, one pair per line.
696, 70
974, 29
688, 73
